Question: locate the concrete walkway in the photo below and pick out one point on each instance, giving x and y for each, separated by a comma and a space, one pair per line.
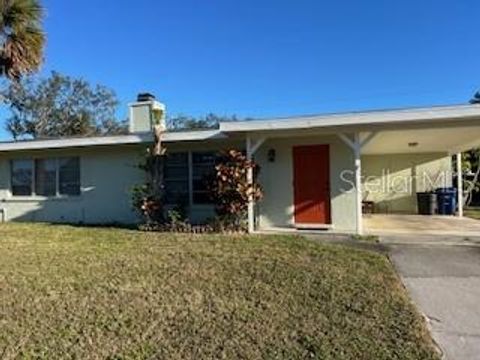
444, 282
394, 224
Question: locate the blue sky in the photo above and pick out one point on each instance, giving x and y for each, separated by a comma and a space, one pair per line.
269, 58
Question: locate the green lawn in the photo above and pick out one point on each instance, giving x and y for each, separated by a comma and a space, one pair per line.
472, 212
82, 293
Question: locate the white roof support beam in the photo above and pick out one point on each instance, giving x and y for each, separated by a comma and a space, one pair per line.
358, 182
347, 141
252, 147
458, 157
361, 142
368, 138
356, 145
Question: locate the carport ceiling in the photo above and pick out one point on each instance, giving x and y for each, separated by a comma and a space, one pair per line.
448, 139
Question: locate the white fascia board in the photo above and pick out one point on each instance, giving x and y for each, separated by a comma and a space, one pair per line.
76, 142
356, 118
139, 138
199, 135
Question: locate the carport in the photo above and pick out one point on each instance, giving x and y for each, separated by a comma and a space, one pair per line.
413, 143
422, 155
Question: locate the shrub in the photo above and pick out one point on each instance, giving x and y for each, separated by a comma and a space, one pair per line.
230, 189
147, 199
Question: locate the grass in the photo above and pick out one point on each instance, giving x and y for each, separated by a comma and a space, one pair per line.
90, 293
367, 238
472, 212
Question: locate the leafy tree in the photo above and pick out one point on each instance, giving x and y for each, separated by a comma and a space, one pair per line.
148, 198
210, 121
60, 106
476, 98
21, 36
471, 165
230, 188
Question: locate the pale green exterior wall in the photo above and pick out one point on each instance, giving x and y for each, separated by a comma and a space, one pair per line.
277, 207
392, 180
107, 175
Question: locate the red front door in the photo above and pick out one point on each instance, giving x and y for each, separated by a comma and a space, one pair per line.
311, 182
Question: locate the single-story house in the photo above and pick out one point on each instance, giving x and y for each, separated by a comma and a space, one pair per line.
316, 171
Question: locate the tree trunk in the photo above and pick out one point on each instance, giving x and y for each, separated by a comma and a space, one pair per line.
471, 186
157, 175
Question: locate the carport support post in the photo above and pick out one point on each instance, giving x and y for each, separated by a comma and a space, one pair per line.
251, 149
356, 145
358, 182
459, 184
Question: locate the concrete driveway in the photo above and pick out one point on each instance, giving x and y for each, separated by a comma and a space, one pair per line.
414, 225
444, 282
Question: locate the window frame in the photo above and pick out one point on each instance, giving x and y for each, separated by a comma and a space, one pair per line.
59, 193
190, 177
33, 193
178, 179
32, 176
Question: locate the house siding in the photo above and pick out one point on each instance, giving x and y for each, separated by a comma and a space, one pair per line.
392, 180
107, 175
277, 208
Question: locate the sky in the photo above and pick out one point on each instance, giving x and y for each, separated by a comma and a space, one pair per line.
269, 58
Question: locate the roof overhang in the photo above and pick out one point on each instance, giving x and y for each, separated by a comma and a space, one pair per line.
360, 120
140, 138
74, 142
443, 128
446, 129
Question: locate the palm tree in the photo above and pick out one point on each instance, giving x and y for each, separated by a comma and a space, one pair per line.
21, 37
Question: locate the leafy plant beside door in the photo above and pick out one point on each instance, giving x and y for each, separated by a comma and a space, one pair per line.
231, 191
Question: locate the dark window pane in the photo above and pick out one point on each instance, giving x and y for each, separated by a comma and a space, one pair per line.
46, 177
176, 192
176, 178
200, 185
177, 158
202, 197
176, 169
69, 176
203, 164
203, 158
21, 177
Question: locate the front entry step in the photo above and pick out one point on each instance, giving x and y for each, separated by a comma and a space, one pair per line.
314, 226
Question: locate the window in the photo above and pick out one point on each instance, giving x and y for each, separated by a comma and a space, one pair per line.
69, 176
21, 177
176, 178
45, 177
203, 164
185, 172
